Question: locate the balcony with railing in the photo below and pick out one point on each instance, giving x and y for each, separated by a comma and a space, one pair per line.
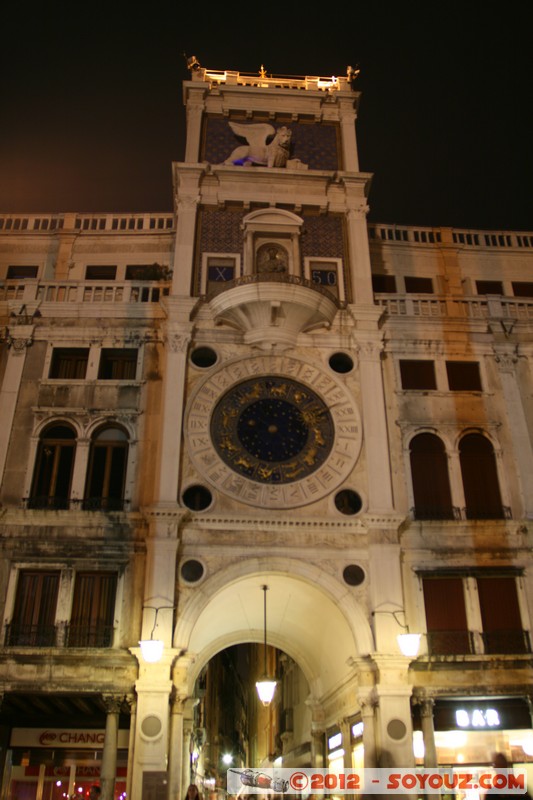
273, 308
20, 635
457, 308
506, 642
98, 635
450, 643
463, 642
434, 513
106, 504
67, 293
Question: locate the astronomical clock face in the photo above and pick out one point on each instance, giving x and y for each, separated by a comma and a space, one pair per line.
273, 431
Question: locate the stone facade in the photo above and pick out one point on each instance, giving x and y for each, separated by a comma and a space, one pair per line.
261, 389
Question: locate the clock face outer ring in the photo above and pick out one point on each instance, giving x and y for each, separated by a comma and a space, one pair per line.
322, 430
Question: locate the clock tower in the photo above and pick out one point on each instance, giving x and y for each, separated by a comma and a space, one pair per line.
274, 466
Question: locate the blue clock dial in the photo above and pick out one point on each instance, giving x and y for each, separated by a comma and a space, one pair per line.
272, 430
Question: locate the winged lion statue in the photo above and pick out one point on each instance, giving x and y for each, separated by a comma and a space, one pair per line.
266, 145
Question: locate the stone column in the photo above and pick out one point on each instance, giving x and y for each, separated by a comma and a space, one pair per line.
187, 178
368, 706
380, 497
188, 725
394, 720
109, 755
175, 746
18, 340
176, 344
358, 249
428, 731
318, 759
79, 472
522, 447
181, 726
153, 688
194, 111
347, 122
131, 700
346, 732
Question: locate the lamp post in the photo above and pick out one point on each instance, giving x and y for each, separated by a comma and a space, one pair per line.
266, 686
152, 649
409, 643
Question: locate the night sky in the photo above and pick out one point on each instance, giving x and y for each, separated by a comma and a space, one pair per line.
91, 112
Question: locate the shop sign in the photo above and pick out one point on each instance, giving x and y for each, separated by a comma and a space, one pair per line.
477, 718
80, 738
497, 713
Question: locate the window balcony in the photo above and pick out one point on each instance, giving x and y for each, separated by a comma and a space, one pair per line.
506, 642
98, 635
63, 635
435, 512
48, 503
104, 504
450, 643
17, 635
429, 513
85, 504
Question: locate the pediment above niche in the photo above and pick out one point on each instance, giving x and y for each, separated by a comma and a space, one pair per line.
272, 313
277, 219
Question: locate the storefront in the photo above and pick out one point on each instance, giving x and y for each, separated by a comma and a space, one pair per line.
467, 732
55, 763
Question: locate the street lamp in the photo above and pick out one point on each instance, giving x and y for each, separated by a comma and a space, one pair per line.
409, 643
152, 649
266, 686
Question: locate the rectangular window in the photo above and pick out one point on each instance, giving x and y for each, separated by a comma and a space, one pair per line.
489, 287
118, 364
447, 629
418, 285
500, 614
385, 284
418, 375
20, 272
463, 376
33, 623
324, 274
69, 363
100, 272
147, 272
522, 288
93, 609
220, 270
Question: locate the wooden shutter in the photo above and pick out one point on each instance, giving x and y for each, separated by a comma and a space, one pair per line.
446, 616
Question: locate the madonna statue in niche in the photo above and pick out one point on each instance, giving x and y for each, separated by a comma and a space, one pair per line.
267, 147
271, 258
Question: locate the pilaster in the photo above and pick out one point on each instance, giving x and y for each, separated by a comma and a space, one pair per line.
18, 339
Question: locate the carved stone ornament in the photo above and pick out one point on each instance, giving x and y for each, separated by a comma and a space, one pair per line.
266, 146
19, 345
178, 342
273, 431
272, 258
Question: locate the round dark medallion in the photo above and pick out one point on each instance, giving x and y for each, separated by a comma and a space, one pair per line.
272, 430
348, 502
192, 570
197, 497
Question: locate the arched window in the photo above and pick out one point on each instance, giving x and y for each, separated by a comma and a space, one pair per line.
53, 468
429, 473
107, 470
480, 478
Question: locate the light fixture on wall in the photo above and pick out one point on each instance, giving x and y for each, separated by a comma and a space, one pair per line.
266, 686
152, 649
409, 643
